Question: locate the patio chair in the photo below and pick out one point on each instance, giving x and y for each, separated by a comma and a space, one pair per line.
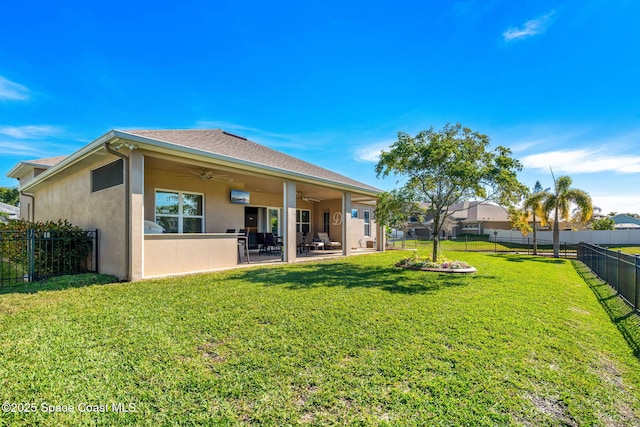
243, 245
301, 243
324, 238
271, 244
260, 241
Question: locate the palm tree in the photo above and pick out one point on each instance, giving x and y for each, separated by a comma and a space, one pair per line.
533, 203
560, 202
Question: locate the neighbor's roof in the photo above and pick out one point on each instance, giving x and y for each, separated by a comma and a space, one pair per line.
625, 219
219, 142
471, 211
9, 209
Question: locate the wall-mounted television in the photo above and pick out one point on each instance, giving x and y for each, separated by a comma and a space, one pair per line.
240, 197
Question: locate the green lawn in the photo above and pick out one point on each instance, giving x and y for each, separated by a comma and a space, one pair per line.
525, 341
633, 250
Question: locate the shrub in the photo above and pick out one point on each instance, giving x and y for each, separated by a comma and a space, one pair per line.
417, 261
58, 247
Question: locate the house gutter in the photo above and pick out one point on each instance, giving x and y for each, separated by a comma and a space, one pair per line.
33, 205
170, 148
127, 206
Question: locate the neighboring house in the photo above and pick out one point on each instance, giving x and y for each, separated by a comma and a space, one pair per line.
195, 184
9, 212
476, 217
626, 222
471, 217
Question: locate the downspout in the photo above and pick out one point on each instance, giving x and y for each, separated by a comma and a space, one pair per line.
33, 206
127, 206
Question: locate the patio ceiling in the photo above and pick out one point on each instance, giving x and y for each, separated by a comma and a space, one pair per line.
242, 180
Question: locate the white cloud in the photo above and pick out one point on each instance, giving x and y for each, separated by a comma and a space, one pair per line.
583, 161
371, 153
622, 203
530, 28
12, 91
31, 131
13, 148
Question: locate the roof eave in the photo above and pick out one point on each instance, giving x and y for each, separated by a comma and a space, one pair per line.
79, 155
169, 148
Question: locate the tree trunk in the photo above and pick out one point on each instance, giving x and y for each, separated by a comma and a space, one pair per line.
535, 237
556, 236
434, 256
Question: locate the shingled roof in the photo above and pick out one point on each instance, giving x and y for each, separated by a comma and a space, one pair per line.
219, 142
47, 162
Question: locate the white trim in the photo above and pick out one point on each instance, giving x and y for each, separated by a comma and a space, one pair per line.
180, 215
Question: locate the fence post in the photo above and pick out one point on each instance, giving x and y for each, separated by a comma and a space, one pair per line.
618, 272
31, 255
95, 242
605, 265
637, 298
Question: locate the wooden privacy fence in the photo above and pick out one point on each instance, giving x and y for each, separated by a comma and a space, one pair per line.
30, 255
620, 270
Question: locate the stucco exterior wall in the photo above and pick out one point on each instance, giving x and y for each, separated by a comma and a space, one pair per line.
357, 237
26, 202
335, 219
171, 254
220, 213
71, 198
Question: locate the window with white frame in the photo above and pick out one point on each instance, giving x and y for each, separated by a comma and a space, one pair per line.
303, 221
180, 212
326, 221
367, 223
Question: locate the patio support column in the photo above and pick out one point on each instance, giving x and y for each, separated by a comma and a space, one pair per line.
289, 221
381, 238
136, 242
346, 222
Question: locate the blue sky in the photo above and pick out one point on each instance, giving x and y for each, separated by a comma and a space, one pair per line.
333, 82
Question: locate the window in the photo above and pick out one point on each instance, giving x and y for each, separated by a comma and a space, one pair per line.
367, 223
303, 221
354, 213
274, 215
326, 220
107, 176
179, 212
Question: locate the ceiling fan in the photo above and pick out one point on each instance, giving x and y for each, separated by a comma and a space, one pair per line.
209, 175
301, 196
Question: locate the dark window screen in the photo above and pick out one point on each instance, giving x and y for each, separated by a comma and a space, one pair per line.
107, 176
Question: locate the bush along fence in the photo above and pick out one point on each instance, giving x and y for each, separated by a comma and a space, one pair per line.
35, 251
620, 270
496, 244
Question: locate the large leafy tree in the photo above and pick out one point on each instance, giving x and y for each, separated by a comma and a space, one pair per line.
10, 196
603, 224
394, 209
560, 201
450, 166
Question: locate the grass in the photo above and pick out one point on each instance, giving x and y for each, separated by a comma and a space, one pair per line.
11, 273
633, 250
525, 341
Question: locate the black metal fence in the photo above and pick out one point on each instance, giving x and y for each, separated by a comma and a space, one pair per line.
620, 270
496, 244
31, 255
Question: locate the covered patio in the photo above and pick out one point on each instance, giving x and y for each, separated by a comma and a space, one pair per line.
172, 202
